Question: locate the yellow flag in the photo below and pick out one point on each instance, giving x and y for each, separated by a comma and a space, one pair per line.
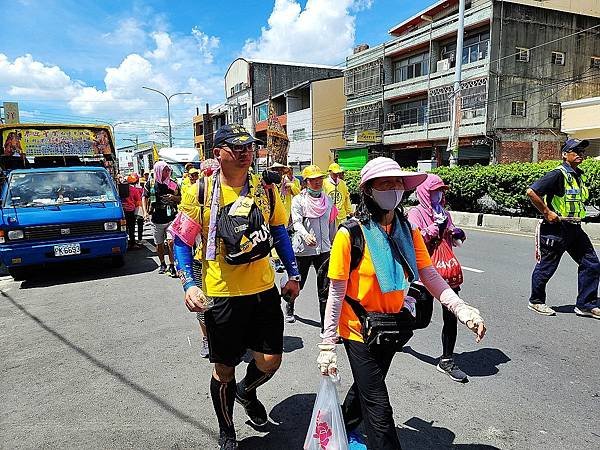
155, 153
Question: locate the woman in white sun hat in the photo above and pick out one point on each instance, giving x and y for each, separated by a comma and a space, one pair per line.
393, 255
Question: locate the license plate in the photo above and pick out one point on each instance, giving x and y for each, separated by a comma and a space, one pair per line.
67, 249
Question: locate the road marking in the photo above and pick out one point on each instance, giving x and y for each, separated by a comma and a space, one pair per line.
149, 246
470, 269
189, 341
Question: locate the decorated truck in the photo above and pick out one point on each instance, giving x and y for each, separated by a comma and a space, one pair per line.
58, 197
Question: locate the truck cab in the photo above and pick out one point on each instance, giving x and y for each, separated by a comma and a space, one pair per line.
58, 208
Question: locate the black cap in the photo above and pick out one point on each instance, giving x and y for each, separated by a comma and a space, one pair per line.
234, 134
572, 144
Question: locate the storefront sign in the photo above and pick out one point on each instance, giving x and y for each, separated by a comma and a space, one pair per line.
372, 136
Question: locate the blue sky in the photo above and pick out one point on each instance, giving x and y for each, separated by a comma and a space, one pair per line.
85, 61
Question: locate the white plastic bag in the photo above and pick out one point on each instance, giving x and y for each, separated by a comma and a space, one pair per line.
326, 430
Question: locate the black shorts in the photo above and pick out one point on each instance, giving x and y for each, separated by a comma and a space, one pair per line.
235, 324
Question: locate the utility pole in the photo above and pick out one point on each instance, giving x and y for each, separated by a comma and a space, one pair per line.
168, 99
456, 110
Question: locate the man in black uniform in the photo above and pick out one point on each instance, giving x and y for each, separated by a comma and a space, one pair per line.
559, 196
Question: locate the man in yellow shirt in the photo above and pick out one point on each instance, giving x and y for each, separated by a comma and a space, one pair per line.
335, 187
238, 219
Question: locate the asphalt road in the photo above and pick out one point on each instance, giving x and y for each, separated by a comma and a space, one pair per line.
92, 357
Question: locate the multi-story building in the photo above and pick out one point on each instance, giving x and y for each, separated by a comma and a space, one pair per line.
205, 125
520, 60
313, 115
250, 82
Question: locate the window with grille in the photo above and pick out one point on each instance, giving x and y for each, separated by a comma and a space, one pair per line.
364, 79
413, 67
558, 58
519, 108
595, 62
554, 110
522, 54
408, 113
363, 118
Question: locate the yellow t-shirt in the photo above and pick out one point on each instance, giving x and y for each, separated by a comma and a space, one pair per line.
340, 196
287, 199
362, 282
220, 279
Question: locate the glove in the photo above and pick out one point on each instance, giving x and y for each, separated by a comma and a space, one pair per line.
459, 234
465, 312
327, 360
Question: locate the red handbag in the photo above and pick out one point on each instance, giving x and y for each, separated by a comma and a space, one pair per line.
446, 264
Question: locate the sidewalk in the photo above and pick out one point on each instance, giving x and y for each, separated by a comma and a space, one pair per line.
524, 225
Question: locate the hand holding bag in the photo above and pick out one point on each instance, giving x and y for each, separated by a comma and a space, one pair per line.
445, 262
326, 430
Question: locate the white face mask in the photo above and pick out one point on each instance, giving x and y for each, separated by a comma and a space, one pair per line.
387, 200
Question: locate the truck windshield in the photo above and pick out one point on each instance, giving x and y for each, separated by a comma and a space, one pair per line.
55, 188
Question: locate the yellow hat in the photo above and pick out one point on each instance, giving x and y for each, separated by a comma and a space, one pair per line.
335, 168
193, 170
313, 172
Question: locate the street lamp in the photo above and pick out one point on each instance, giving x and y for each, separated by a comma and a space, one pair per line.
168, 99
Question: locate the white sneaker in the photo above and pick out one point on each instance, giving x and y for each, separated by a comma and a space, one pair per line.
541, 308
592, 312
204, 348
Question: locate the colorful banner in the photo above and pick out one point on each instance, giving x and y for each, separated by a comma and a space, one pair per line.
33, 142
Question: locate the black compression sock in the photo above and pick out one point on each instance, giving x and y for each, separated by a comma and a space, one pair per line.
253, 379
223, 396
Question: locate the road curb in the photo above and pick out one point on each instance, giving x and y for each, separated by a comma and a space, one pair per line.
525, 225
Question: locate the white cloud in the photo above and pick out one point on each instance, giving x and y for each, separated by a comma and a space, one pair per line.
25, 77
322, 32
170, 62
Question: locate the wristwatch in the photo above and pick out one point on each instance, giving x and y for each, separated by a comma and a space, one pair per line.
295, 278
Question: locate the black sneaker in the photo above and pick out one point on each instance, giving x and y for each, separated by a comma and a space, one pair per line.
162, 269
289, 312
172, 272
255, 410
449, 367
227, 441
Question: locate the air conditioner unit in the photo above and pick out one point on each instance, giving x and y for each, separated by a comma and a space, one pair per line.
443, 65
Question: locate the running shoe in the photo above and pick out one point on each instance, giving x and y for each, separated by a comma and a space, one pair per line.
541, 308
449, 367
227, 441
204, 348
162, 269
255, 410
289, 313
356, 441
588, 312
172, 272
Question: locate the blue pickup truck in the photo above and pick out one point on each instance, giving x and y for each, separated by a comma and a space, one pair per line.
59, 214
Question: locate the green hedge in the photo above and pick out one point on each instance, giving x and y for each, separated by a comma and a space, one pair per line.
498, 189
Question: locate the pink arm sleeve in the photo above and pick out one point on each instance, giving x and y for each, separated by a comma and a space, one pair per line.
333, 310
438, 287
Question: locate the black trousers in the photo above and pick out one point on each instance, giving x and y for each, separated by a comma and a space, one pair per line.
555, 240
449, 330
130, 221
304, 263
368, 398
140, 227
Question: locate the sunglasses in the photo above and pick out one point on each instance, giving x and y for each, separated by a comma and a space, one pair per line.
239, 148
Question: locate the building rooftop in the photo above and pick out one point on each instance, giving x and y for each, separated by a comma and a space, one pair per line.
412, 22
290, 63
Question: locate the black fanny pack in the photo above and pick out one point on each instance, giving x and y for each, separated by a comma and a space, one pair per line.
246, 238
394, 330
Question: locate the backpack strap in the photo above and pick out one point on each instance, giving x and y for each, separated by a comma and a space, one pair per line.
357, 242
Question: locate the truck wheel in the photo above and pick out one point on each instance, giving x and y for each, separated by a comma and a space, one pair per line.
18, 273
118, 261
